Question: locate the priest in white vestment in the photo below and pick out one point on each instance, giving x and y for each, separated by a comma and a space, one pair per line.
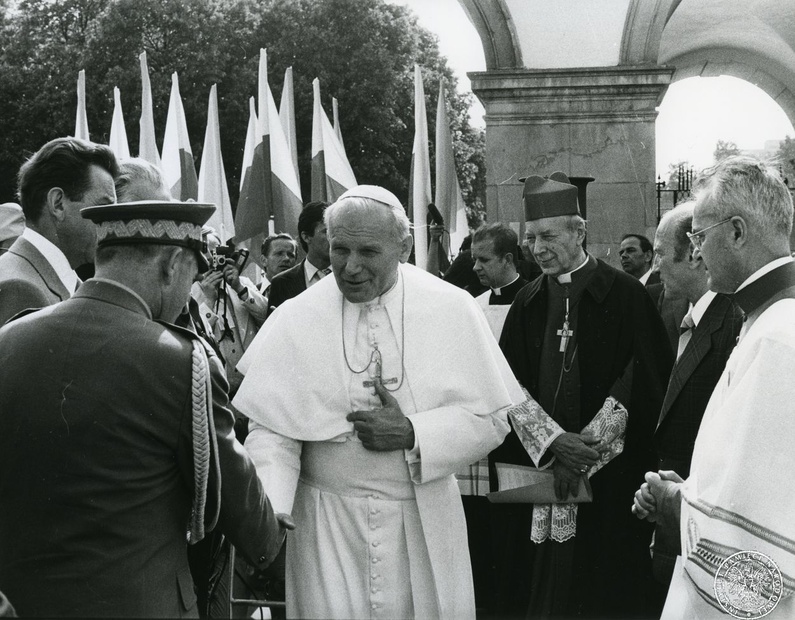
736, 510
366, 394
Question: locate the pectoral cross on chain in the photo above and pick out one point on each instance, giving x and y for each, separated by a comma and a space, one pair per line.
565, 333
376, 357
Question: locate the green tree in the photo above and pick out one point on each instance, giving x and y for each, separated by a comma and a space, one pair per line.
724, 149
40, 55
363, 51
785, 156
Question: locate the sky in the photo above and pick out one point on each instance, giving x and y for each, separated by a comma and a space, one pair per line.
694, 114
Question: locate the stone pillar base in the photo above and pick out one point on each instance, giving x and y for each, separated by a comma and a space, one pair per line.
595, 122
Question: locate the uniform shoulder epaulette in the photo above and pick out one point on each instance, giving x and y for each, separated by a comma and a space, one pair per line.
190, 334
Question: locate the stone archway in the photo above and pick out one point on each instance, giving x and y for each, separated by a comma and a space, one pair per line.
753, 41
593, 113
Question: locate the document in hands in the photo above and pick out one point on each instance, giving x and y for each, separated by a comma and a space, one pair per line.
522, 484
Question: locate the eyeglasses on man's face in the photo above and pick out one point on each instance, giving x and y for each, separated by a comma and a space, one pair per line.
697, 237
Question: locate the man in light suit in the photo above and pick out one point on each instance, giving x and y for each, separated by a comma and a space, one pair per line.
62, 177
709, 333
316, 265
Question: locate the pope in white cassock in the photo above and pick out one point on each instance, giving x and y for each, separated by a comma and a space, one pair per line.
366, 394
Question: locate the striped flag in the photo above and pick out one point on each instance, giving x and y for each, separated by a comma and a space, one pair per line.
420, 181
81, 120
212, 176
251, 139
448, 197
118, 132
335, 108
179, 171
285, 190
254, 208
147, 145
331, 173
287, 116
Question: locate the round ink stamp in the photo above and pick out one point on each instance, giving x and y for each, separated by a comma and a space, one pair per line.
748, 585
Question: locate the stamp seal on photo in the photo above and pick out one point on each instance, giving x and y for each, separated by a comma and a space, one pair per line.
748, 585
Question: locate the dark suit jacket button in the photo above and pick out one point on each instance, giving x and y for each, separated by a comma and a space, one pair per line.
537, 343
262, 559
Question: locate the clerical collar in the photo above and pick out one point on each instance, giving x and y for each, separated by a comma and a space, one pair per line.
763, 270
498, 291
765, 283
566, 277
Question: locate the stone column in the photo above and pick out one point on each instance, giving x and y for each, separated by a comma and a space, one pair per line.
595, 122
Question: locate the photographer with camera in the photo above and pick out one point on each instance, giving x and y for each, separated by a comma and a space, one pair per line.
229, 303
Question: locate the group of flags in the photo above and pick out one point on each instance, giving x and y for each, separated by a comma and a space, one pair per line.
270, 191
447, 199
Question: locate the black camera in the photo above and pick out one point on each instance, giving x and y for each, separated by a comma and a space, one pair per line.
227, 255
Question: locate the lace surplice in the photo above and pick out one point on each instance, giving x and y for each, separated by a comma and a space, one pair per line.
537, 430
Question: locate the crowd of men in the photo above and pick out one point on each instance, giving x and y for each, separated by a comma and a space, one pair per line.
553, 438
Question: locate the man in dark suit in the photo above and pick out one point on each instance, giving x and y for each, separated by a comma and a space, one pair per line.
637, 259
277, 255
115, 436
316, 265
709, 333
62, 177
637, 256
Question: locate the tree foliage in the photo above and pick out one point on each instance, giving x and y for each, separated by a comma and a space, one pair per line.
363, 52
724, 149
785, 156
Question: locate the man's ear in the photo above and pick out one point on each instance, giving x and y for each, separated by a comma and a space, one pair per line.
740, 230
405, 248
55, 203
581, 233
694, 259
169, 264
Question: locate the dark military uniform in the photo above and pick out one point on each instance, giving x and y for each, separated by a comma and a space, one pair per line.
96, 462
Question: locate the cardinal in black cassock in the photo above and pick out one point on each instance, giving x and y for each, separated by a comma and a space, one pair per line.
576, 335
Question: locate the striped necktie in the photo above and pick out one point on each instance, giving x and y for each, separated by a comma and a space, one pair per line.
685, 333
320, 274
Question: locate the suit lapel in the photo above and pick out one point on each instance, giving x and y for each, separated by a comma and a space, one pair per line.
241, 317
300, 278
27, 251
697, 349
